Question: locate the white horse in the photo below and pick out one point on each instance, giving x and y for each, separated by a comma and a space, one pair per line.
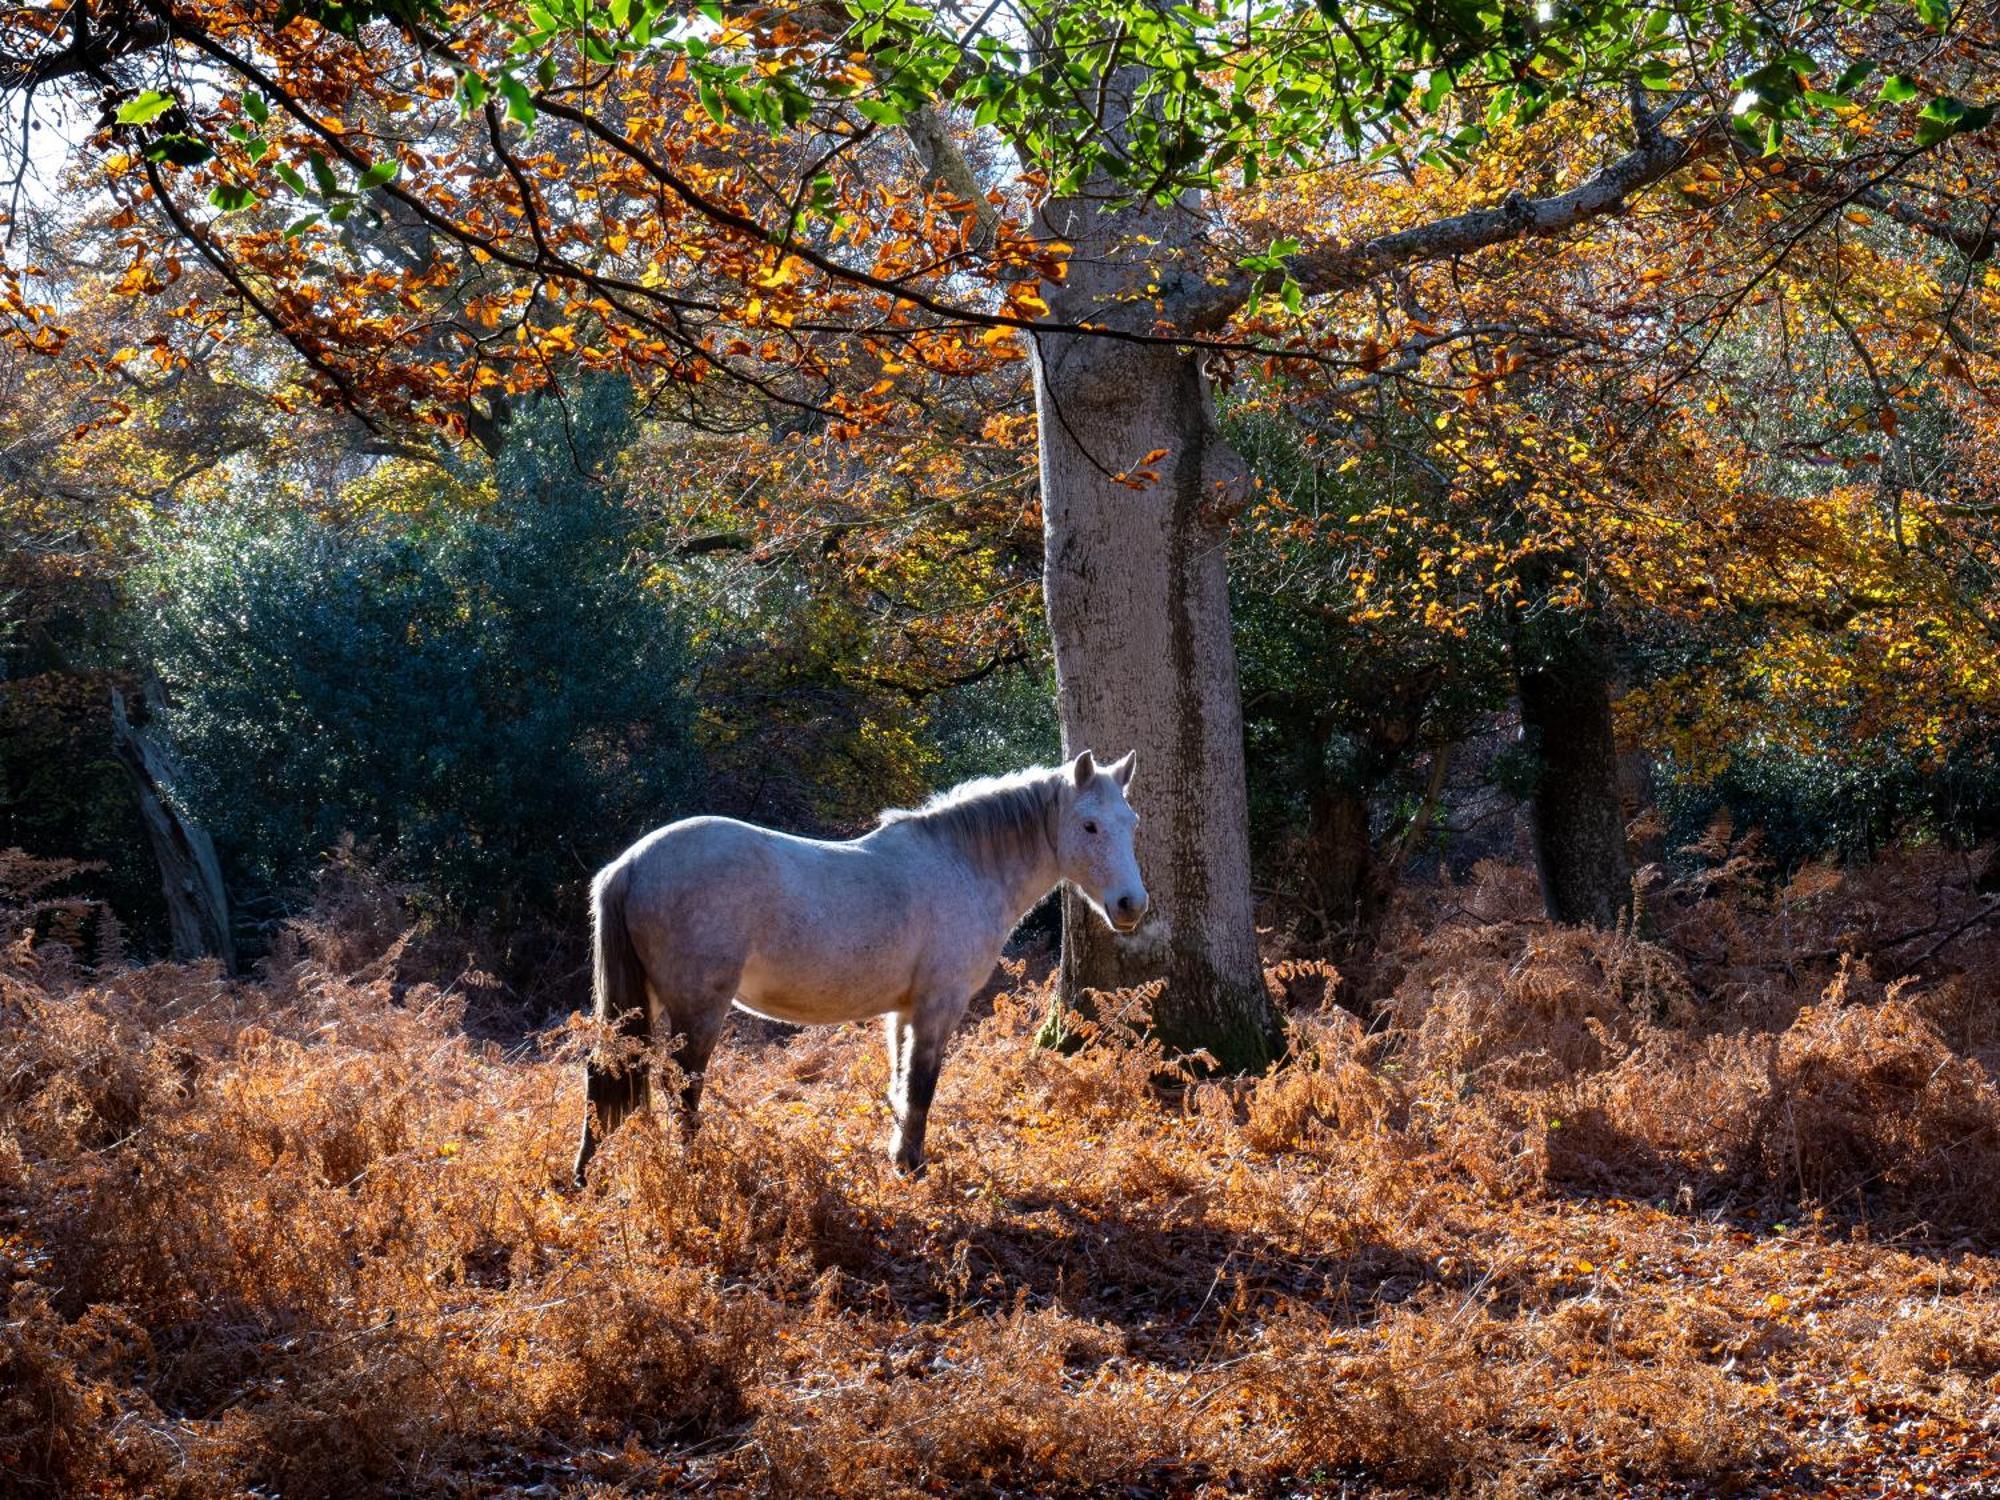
904, 922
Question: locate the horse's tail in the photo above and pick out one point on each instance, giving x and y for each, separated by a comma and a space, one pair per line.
613, 1087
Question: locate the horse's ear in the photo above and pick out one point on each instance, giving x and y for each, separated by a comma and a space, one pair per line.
1085, 767
1121, 769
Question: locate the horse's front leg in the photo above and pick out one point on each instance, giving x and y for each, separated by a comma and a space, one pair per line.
920, 1042
897, 1029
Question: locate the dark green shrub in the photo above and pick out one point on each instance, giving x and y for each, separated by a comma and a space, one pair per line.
1848, 806
488, 693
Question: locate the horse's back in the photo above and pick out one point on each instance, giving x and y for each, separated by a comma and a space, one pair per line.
713, 856
803, 929
693, 858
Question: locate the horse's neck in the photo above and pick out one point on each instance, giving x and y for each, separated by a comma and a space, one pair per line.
1017, 876
1034, 874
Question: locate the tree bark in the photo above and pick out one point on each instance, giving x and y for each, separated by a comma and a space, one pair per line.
1137, 593
1340, 860
190, 873
1575, 814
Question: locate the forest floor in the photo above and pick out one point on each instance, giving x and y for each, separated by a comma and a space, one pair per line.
1714, 1212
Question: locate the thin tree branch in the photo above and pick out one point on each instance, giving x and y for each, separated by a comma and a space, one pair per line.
1335, 268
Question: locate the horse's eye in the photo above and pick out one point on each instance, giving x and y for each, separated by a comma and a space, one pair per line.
1089, 827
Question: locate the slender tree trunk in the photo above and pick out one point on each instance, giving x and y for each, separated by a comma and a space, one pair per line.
1576, 815
190, 874
1340, 856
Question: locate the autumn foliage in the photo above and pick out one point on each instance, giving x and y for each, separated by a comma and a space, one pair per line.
1703, 1211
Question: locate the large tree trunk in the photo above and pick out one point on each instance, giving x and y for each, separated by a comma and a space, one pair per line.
1138, 604
1576, 814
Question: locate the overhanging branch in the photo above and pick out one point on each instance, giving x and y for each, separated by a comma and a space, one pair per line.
1335, 268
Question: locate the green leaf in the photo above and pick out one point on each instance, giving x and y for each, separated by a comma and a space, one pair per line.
383, 171
1272, 259
181, 149
473, 92
290, 177
323, 177
255, 107
881, 111
1944, 118
299, 226
520, 103
231, 197
145, 109
1898, 88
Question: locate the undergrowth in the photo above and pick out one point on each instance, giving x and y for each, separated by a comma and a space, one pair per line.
1708, 1208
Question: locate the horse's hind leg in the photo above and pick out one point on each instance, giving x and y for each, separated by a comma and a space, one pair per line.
613, 1091
622, 998
698, 1019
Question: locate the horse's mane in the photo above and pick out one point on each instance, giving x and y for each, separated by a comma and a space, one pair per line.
995, 816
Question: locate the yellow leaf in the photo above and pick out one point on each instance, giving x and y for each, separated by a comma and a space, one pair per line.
783, 274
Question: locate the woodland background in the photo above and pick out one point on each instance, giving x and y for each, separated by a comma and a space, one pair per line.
409, 499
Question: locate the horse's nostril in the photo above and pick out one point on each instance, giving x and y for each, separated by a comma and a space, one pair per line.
1127, 906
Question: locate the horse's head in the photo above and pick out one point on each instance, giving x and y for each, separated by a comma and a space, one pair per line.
1094, 840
